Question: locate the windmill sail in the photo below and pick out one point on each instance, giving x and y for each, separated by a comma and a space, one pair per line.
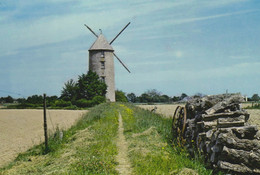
119, 33
91, 30
112, 42
121, 63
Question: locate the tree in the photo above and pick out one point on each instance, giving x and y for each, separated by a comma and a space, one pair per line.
145, 98
89, 86
164, 99
69, 91
35, 99
120, 96
132, 97
183, 95
51, 98
175, 98
199, 95
2, 100
9, 99
21, 100
255, 97
88, 91
154, 95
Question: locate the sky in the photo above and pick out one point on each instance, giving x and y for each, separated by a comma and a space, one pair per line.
174, 46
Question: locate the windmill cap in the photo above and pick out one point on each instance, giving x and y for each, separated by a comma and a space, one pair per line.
101, 44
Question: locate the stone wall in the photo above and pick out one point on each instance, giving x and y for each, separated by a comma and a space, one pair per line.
102, 62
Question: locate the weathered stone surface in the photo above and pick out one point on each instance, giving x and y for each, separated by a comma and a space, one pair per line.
101, 61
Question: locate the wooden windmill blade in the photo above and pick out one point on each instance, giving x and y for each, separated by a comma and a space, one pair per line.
121, 62
114, 40
119, 33
91, 30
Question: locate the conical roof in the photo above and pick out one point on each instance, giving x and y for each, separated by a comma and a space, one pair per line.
101, 44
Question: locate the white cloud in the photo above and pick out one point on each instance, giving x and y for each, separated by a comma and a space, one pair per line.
240, 57
203, 18
236, 70
178, 54
50, 29
200, 76
219, 3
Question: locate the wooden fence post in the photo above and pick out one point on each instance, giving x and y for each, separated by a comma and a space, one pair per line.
45, 123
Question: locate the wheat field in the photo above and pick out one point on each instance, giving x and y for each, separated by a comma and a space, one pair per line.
167, 110
21, 129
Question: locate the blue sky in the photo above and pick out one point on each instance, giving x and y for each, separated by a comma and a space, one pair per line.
174, 46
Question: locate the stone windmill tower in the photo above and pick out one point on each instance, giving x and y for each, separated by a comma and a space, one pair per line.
101, 61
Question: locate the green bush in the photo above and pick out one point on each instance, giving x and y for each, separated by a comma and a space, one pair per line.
83, 103
24, 106
120, 96
62, 103
98, 100
72, 107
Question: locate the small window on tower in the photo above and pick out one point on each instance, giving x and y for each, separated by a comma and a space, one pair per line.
102, 65
102, 79
102, 54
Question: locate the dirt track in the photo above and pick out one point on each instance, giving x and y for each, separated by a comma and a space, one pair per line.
123, 166
21, 129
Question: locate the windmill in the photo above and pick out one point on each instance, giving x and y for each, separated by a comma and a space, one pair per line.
101, 61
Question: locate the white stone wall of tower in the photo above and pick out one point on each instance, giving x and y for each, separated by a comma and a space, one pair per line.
106, 70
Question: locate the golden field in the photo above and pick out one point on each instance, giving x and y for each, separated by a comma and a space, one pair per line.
167, 110
20, 129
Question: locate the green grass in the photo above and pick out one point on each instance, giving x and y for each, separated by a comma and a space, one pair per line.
98, 157
151, 147
87, 148
90, 146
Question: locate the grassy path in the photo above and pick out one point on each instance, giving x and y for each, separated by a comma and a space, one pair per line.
104, 142
124, 166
